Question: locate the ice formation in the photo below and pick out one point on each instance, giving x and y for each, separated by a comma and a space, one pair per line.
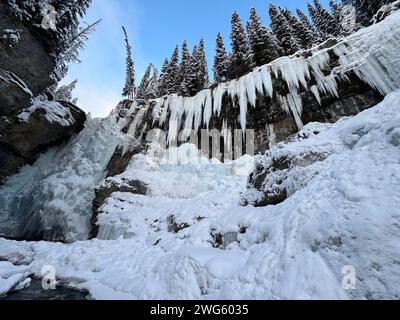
372, 53
54, 196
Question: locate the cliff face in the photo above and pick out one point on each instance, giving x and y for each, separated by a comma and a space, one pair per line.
27, 127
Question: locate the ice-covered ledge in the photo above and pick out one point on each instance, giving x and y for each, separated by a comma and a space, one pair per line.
371, 53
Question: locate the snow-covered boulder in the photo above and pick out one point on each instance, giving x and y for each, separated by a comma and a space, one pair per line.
386, 11
287, 167
43, 124
13, 277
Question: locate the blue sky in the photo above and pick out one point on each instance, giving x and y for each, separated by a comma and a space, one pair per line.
154, 27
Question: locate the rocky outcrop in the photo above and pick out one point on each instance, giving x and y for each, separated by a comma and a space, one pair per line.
106, 190
275, 178
28, 127
289, 166
23, 137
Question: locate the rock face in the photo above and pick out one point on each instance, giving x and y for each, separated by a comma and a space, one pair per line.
26, 71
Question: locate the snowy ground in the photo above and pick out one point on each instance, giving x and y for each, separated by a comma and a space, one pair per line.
347, 215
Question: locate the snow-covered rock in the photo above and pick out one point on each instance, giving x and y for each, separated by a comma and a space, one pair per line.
13, 277
386, 10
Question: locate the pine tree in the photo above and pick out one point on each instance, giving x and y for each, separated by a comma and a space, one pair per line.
323, 20
152, 88
65, 93
283, 31
129, 88
302, 33
173, 71
184, 70
204, 80
76, 42
194, 71
68, 15
335, 10
141, 90
239, 62
263, 46
304, 19
164, 80
221, 61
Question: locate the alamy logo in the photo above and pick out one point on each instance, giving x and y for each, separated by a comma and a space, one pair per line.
49, 20
349, 281
49, 281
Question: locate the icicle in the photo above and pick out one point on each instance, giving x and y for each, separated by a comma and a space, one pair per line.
296, 106
242, 95
329, 86
218, 94
250, 89
267, 81
198, 113
292, 104
258, 81
294, 72
319, 62
316, 94
207, 113
271, 135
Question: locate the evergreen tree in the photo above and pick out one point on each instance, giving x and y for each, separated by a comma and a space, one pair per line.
173, 71
65, 93
323, 20
129, 88
76, 42
184, 70
335, 10
194, 71
141, 90
204, 80
337, 14
263, 46
283, 31
164, 81
304, 20
221, 61
303, 34
239, 62
152, 88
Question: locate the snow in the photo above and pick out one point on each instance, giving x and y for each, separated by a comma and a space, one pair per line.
347, 214
54, 112
13, 277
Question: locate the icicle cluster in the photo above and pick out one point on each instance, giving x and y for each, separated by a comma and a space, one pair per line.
373, 61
